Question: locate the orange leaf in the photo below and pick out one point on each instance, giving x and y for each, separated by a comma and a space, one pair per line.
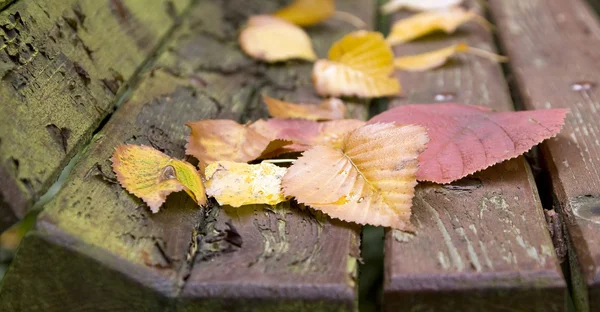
369, 180
238, 184
272, 39
425, 23
307, 12
306, 133
215, 140
151, 175
436, 58
418, 5
360, 64
332, 108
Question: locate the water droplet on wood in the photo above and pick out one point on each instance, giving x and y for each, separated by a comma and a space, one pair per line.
444, 97
582, 86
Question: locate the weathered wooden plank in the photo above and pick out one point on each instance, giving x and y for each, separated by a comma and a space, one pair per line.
62, 64
92, 226
553, 46
482, 242
290, 260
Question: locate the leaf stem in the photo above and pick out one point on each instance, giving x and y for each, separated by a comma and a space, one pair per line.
350, 19
487, 54
278, 161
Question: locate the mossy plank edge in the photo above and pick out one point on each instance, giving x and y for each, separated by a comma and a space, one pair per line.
201, 74
62, 65
482, 242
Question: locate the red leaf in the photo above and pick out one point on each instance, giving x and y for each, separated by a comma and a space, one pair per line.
465, 139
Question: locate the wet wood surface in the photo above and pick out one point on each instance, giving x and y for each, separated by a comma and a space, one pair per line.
63, 64
482, 242
554, 50
184, 258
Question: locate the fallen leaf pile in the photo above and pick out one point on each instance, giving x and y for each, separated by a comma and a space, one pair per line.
353, 170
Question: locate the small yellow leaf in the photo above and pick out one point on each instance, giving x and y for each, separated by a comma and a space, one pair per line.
272, 39
307, 12
151, 175
360, 64
436, 58
425, 23
332, 108
418, 5
369, 180
214, 140
238, 184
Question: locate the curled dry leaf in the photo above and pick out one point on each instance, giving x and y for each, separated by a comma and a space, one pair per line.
425, 23
436, 58
332, 108
466, 139
360, 64
151, 175
307, 12
369, 180
418, 5
238, 184
272, 39
214, 140
306, 133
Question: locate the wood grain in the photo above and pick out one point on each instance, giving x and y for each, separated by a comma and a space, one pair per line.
62, 65
554, 50
182, 258
482, 242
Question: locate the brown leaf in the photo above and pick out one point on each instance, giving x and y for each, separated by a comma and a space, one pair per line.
220, 140
332, 108
369, 180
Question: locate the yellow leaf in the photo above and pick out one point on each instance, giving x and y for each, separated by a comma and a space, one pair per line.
425, 23
436, 58
418, 5
238, 184
151, 175
307, 12
369, 180
360, 64
214, 140
272, 39
332, 108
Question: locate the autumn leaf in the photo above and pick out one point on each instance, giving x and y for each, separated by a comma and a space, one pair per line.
151, 175
418, 5
369, 180
223, 139
436, 58
360, 64
425, 23
332, 108
238, 184
307, 12
272, 39
306, 133
465, 139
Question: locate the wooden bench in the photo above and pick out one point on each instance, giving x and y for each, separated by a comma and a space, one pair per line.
482, 243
